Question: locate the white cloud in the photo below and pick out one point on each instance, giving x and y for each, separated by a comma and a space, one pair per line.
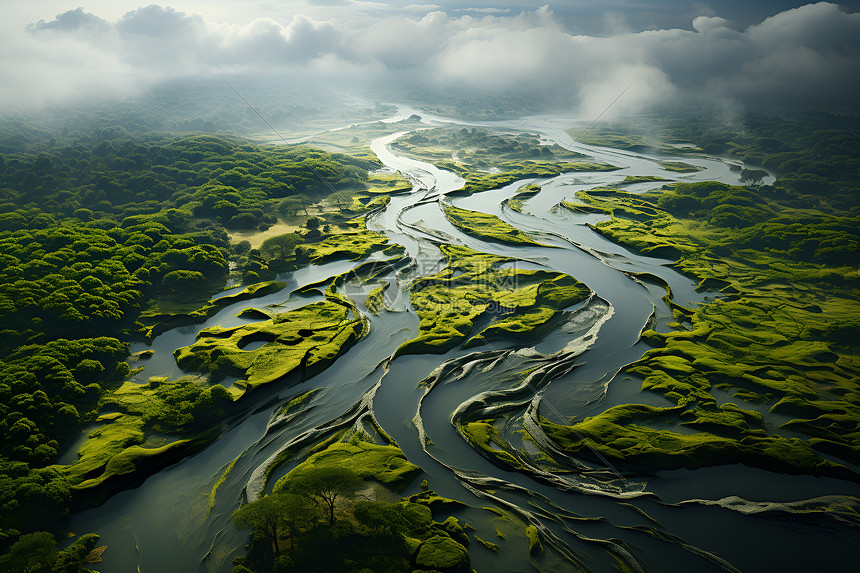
73, 20
422, 7
704, 24
486, 10
808, 56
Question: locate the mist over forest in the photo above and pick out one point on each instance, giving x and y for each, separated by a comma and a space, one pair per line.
502, 59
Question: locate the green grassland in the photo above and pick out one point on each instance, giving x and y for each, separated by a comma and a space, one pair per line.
523, 193
630, 179
486, 226
353, 243
780, 333
384, 464
680, 167
310, 338
449, 303
375, 301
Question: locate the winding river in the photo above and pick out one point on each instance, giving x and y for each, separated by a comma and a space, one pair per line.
594, 518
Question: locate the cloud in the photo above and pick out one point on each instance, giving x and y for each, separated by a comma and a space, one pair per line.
157, 22
804, 57
422, 7
704, 24
73, 20
486, 10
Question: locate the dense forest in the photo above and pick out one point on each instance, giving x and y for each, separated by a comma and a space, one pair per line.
93, 233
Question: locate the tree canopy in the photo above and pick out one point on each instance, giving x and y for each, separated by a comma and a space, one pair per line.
326, 485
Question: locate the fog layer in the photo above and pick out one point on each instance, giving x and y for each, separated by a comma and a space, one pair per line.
806, 57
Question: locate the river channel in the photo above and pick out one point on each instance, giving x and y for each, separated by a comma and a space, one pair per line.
170, 525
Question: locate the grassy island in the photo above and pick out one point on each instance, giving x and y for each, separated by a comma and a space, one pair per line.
471, 286
340, 509
309, 338
489, 160
486, 226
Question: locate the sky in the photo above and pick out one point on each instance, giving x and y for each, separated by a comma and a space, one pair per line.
582, 53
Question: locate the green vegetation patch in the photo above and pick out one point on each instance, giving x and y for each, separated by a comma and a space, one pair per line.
680, 167
472, 284
384, 464
388, 183
622, 435
375, 301
534, 322
483, 435
489, 160
630, 179
161, 322
441, 553
352, 244
314, 517
523, 193
135, 439
485, 226
535, 545
776, 333
308, 338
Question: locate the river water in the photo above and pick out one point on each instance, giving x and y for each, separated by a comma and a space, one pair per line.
171, 523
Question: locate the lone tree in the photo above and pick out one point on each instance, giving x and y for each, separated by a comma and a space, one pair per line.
279, 247
326, 485
290, 206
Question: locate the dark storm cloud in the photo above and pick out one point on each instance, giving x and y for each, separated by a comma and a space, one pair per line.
807, 56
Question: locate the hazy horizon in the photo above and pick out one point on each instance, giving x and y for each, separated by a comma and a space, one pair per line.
576, 56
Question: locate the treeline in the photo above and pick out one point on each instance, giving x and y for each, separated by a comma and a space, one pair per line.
762, 223
37, 553
813, 155
316, 522
227, 180
91, 234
